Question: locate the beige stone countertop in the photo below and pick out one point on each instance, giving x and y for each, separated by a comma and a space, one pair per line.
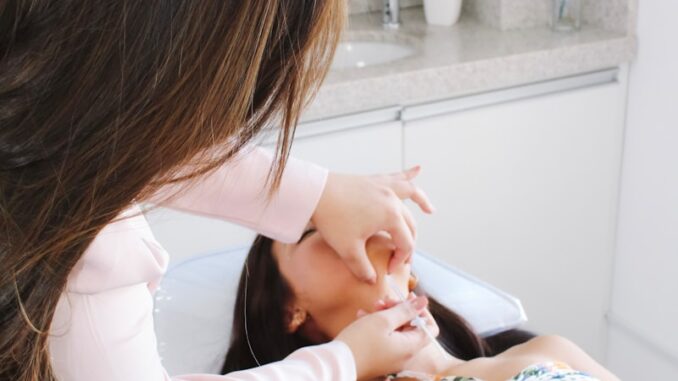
466, 58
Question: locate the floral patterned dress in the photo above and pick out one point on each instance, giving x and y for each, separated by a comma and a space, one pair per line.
549, 371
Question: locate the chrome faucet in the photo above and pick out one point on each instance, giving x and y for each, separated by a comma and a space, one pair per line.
391, 14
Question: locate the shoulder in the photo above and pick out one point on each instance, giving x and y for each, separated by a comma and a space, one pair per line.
561, 349
541, 349
555, 346
512, 361
548, 348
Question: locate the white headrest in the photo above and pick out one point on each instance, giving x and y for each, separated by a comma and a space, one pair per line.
194, 306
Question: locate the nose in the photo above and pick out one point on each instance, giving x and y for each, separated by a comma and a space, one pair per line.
379, 250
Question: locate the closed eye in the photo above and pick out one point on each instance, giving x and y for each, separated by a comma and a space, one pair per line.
306, 234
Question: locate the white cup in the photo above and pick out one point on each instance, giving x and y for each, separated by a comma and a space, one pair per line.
442, 12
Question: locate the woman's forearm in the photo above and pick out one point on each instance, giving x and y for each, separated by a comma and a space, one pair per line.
236, 192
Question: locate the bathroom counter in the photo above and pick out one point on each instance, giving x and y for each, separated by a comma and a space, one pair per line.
467, 58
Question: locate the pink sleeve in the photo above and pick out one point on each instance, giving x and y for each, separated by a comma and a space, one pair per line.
332, 361
236, 192
103, 326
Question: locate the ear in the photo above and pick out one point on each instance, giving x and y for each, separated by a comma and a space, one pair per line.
412, 282
296, 317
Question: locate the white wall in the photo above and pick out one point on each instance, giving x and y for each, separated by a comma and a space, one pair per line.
643, 331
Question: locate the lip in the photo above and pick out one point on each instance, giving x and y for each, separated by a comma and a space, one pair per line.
392, 295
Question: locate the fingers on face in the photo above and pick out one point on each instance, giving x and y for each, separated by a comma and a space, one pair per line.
411, 223
412, 338
359, 264
403, 313
431, 323
402, 237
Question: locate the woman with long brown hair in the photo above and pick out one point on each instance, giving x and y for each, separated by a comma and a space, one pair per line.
107, 104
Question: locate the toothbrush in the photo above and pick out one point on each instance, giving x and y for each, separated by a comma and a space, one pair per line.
417, 321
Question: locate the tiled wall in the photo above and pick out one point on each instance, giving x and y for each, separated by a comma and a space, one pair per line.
614, 15
359, 6
617, 15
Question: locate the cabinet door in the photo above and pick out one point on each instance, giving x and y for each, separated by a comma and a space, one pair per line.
370, 149
361, 150
526, 196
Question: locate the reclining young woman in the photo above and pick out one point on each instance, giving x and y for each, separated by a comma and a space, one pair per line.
295, 295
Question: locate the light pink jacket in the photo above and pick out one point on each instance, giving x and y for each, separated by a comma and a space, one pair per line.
103, 326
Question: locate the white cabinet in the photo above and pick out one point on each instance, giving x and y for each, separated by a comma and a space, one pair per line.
367, 149
526, 197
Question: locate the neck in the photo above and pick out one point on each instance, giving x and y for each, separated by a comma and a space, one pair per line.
431, 360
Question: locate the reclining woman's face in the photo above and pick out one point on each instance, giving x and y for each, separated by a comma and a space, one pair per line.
326, 295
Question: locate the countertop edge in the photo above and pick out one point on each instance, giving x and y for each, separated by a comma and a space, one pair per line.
354, 96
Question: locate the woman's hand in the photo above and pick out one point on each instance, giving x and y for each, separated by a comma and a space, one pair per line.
354, 208
382, 342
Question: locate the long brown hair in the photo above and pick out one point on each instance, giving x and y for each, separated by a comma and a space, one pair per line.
104, 102
259, 333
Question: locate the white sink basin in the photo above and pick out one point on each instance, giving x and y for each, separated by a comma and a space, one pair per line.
356, 54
